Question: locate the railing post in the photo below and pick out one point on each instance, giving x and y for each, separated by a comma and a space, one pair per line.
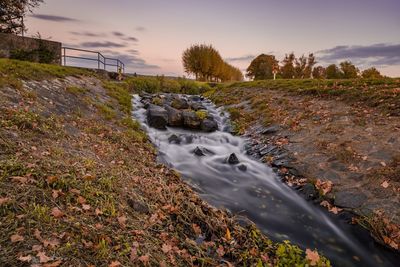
98, 60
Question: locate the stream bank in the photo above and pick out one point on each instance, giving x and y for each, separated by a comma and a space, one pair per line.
219, 167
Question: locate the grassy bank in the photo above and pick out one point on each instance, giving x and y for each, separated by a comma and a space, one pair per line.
80, 186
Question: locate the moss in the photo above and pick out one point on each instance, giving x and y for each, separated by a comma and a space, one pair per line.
157, 101
202, 114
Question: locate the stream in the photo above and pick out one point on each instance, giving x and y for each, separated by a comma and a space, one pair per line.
256, 192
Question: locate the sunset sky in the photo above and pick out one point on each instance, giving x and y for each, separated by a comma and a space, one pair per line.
150, 35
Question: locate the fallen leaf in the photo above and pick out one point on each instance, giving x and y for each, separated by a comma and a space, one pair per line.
51, 179
122, 221
16, 238
385, 184
81, 200
220, 251
25, 258
98, 212
324, 186
52, 242
114, 264
228, 234
86, 207
383, 164
37, 247
42, 257
312, 256
56, 193
196, 229
145, 259
89, 177
57, 213
166, 248
4, 200
19, 179
53, 264
37, 235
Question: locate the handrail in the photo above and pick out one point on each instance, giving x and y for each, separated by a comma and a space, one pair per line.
101, 59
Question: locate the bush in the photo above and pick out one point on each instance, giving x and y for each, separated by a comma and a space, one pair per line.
147, 84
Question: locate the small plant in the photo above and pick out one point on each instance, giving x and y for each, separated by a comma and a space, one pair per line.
202, 114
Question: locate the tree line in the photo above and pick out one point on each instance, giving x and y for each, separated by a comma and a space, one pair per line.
267, 67
12, 13
206, 64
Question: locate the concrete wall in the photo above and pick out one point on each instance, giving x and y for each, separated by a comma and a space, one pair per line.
10, 42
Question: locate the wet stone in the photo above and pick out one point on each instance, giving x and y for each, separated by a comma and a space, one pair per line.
350, 199
233, 160
309, 191
174, 139
270, 130
242, 167
138, 206
198, 152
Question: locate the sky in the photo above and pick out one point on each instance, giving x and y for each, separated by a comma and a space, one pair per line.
149, 36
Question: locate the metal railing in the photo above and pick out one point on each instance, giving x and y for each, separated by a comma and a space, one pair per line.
102, 61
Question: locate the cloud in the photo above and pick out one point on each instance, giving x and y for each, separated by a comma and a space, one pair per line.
119, 34
53, 18
133, 62
106, 44
88, 34
243, 58
132, 39
140, 29
376, 54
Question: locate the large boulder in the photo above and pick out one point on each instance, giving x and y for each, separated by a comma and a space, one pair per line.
179, 103
209, 125
191, 120
157, 117
175, 117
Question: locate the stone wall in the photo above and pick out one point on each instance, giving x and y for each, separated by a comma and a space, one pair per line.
11, 42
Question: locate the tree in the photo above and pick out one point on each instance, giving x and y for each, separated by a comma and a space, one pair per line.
333, 72
288, 70
349, 70
261, 68
319, 72
205, 62
310, 64
371, 73
300, 65
12, 13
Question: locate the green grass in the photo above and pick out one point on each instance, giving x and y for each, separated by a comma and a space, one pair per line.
107, 112
75, 90
120, 92
12, 70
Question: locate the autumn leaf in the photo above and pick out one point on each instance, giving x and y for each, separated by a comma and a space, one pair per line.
57, 213
52, 242
312, 256
56, 193
220, 251
19, 179
86, 207
228, 234
16, 238
114, 264
37, 247
122, 221
196, 229
98, 212
145, 259
166, 248
4, 200
324, 186
81, 200
25, 258
42, 257
53, 264
51, 179
385, 184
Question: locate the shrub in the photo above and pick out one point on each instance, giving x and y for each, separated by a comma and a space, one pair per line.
147, 84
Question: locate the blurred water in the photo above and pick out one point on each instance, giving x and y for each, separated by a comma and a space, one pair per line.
259, 194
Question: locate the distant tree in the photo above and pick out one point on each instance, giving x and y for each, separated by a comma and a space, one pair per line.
288, 69
12, 13
371, 73
206, 64
310, 64
300, 65
333, 72
261, 68
349, 71
319, 72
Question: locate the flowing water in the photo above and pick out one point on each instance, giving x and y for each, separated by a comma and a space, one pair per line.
259, 194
